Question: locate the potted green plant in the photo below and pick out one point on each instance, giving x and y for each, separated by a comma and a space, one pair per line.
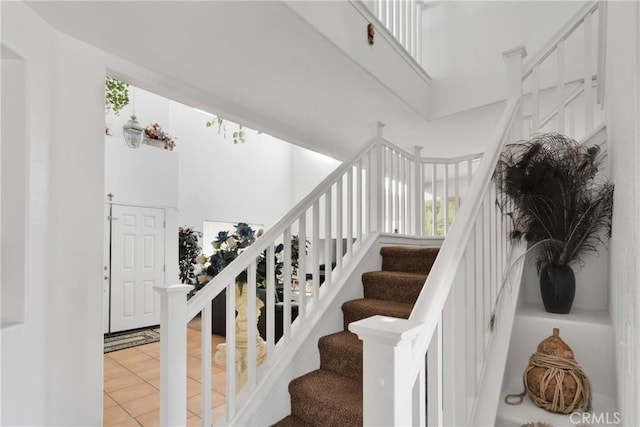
559, 204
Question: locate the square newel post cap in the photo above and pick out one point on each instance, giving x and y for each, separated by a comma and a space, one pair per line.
516, 51
389, 329
173, 289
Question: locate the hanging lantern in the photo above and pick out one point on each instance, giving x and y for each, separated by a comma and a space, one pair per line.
133, 132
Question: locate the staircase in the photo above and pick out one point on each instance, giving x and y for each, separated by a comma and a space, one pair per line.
332, 395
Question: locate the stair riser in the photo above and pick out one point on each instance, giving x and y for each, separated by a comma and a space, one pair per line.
348, 364
408, 260
406, 292
316, 414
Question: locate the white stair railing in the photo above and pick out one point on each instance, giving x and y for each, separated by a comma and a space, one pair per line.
453, 317
381, 190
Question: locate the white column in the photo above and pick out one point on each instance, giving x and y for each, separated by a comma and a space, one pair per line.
387, 369
173, 353
514, 57
418, 193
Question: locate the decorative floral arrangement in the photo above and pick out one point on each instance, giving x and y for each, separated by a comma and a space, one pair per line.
228, 246
188, 251
154, 131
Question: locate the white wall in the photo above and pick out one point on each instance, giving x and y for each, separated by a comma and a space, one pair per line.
383, 62
623, 128
592, 283
308, 170
52, 363
223, 181
14, 186
147, 176
463, 43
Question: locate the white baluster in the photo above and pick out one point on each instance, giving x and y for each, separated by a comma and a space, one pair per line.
286, 285
230, 369
315, 250
445, 198
271, 302
418, 192
350, 211
535, 100
379, 205
302, 267
457, 187
395, 190
419, 33
434, 199
339, 253
360, 192
252, 358
588, 75
384, 5
327, 236
560, 80
602, 22
411, 10
205, 366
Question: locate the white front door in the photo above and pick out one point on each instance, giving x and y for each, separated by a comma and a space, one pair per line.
137, 265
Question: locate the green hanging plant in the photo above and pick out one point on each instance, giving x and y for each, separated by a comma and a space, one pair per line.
117, 95
238, 136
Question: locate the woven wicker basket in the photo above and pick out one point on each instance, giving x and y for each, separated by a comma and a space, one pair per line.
553, 380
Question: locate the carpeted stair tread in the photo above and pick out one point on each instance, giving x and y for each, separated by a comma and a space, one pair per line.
324, 398
341, 353
366, 307
332, 395
393, 285
290, 421
408, 260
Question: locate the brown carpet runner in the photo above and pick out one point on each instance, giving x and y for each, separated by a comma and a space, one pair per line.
332, 395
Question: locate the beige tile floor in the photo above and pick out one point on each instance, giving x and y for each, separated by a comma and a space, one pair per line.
132, 383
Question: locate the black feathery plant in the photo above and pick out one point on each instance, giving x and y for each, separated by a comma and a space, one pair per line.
557, 200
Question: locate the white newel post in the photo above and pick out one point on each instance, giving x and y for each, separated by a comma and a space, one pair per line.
387, 369
513, 58
173, 354
418, 193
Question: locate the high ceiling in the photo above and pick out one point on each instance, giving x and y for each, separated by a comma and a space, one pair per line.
255, 62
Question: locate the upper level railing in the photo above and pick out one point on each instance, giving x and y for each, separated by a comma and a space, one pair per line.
403, 20
463, 313
571, 64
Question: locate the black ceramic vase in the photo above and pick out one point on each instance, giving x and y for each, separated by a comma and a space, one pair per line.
558, 287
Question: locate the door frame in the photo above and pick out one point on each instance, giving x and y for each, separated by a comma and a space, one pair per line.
170, 218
